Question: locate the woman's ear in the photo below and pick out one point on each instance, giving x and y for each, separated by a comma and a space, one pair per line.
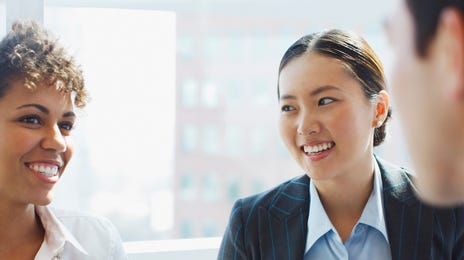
381, 108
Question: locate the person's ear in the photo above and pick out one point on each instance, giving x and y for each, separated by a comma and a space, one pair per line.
381, 108
449, 46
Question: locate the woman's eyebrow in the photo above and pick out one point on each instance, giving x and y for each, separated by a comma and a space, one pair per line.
313, 92
45, 110
283, 97
39, 107
69, 114
323, 89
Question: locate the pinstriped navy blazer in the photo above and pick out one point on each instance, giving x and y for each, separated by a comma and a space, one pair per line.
273, 224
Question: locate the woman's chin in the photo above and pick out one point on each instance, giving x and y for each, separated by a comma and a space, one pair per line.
44, 200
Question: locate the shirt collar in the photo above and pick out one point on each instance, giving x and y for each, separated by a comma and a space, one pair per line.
373, 214
56, 234
318, 222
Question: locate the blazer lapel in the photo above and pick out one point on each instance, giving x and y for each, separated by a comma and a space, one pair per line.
409, 222
286, 222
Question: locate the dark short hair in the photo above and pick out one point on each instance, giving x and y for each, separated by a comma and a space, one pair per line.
31, 54
425, 15
355, 53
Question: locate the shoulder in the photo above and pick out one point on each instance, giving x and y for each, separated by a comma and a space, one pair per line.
80, 220
267, 198
399, 184
96, 234
71, 216
395, 172
397, 181
246, 209
247, 220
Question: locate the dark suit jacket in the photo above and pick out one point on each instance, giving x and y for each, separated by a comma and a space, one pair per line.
273, 224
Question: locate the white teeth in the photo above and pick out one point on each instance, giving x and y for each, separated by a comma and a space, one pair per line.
48, 171
317, 148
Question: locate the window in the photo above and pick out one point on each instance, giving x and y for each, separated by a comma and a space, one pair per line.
189, 137
210, 95
233, 189
127, 130
189, 93
188, 188
210, 139
210, 189
184, 108
233, 139
259, 138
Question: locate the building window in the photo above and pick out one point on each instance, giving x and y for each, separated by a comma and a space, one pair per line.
259, 138
130, 121
257, 186
186, 47
189, 93
188, 189
209, 94
189, 138
233, 190
233, 136
233, 93
210, 188
186, 228
209, 229
210, 138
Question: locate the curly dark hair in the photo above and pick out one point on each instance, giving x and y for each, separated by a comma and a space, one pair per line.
30, 53
355, 53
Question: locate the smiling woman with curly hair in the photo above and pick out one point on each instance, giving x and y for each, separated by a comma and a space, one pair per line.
40, 86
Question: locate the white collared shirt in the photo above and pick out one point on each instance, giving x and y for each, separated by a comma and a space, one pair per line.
74, 235
368, 240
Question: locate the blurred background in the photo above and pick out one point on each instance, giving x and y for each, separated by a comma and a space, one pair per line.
183, 116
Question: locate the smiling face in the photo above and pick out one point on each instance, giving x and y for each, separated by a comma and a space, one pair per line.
326, 121
35, 146
432, 118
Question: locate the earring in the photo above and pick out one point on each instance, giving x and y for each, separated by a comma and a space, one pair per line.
379, 123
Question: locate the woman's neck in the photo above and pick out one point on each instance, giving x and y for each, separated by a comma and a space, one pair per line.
345, 197
21, 232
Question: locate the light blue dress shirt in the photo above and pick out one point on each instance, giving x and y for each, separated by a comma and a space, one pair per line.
367, 241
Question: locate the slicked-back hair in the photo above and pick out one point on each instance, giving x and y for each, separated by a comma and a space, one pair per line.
357, 56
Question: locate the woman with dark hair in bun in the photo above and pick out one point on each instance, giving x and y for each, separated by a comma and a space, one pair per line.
349, 204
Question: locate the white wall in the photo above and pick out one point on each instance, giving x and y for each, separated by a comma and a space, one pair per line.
175, 249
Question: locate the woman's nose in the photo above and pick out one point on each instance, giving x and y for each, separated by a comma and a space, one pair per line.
308, 125
54, 140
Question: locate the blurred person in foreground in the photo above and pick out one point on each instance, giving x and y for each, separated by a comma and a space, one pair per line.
348, 204
427, 81
40, 88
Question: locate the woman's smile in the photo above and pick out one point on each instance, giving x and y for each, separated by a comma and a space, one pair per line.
48, 172
318, 152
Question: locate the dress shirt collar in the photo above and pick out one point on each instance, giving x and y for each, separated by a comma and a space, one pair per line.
373, 214
56, 235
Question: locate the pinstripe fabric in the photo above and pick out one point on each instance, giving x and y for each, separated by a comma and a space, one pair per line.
272, 225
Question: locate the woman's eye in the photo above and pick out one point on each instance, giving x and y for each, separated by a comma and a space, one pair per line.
30, 120
325, 101
287, 108
68, 126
